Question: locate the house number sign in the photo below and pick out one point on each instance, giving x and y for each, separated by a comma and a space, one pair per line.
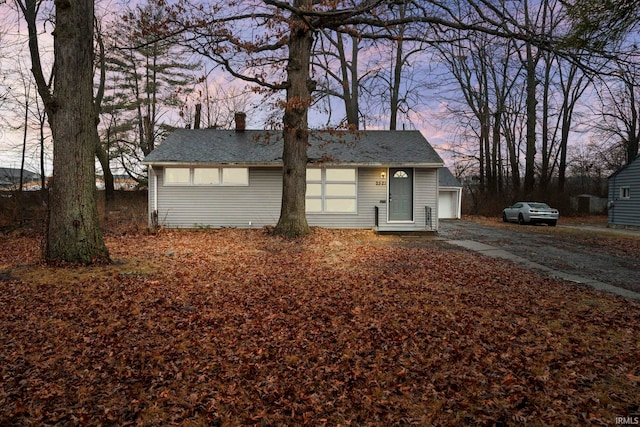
381, 182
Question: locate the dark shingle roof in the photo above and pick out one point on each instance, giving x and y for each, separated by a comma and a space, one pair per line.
265, 147
446, 178
11, 176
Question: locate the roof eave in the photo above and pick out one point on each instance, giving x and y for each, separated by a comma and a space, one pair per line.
279, 164
204, 164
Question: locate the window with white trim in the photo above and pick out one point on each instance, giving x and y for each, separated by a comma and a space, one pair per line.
206, 176
313, 200
177, 176
625, 193
237, 177
331, 190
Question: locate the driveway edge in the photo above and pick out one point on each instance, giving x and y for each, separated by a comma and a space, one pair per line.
494, 252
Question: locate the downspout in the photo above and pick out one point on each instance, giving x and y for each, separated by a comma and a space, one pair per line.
153, 195
155, 192
436, 217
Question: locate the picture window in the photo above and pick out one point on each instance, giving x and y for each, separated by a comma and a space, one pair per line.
331, 190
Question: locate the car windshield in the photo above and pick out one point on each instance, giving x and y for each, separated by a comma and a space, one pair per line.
539, 205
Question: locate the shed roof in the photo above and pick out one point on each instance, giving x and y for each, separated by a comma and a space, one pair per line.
11, 176
446, 178
262, 147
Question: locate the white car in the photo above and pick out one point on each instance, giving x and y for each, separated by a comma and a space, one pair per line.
531, 212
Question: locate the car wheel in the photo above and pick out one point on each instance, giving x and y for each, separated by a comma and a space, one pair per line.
521, 219
504, 217
553, 223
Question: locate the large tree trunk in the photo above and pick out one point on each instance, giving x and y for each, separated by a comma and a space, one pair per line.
396, 81
633, 142
293, 220
530, 153
514, 159
73, 231
496, 150
102, 152
546, 169
349, 73
564, 142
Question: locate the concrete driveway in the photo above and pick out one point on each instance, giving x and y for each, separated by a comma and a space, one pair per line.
555, 254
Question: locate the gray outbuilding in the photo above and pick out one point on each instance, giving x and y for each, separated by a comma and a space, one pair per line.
624, 196
385, 180
10, 178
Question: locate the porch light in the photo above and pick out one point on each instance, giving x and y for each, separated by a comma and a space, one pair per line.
383, 175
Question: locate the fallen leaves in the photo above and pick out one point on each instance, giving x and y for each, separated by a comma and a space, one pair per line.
236, 327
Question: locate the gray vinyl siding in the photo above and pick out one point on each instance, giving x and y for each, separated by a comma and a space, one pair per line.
625, 212
426, 194
258, 204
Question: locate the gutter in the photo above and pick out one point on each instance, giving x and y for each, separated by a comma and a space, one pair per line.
279, 164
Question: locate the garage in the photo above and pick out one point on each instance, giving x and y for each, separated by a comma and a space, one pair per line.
449, 195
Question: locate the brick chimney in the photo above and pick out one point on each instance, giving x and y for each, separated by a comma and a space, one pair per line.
241, 119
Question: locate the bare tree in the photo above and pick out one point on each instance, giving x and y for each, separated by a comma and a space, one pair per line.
567, 82
102, 150
338, 59
483, 68
148, 80
620, 111
219, 99
404, 49
514, 131
377, 78
5, 86
27, 86
525, 82
534, 20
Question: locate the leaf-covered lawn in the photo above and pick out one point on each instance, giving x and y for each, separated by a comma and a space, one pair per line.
236, 327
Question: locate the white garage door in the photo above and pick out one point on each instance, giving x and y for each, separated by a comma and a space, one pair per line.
447, 204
